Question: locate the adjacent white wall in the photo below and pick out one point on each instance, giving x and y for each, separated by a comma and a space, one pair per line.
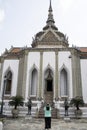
13, 64
65, 61
33, 59
84, 78
48, 58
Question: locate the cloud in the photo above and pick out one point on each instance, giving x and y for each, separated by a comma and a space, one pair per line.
66, 4
2, 15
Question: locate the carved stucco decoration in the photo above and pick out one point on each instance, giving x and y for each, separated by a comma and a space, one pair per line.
49, 37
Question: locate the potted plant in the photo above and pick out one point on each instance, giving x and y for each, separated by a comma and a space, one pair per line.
77, 102
16, 101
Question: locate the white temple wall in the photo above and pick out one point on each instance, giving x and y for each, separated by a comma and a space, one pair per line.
84, 78
33, 61
65, 62
13, 65
48, 58
48, 61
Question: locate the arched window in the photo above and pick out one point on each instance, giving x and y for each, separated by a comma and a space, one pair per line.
8, 83
34, 81
48, 80
63, 83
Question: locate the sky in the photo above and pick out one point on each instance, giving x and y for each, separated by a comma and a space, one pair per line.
20, 20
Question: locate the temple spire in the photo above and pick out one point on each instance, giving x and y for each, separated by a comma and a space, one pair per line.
50, 7
50, 19
50, 23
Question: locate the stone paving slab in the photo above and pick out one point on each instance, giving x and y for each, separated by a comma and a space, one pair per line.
38, 124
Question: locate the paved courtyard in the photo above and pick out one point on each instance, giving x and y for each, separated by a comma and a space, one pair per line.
38, 124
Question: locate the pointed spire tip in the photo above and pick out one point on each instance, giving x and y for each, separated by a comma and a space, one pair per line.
50, 7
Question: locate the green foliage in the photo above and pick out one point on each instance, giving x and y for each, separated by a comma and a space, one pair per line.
77, 102
16, 101
1, 103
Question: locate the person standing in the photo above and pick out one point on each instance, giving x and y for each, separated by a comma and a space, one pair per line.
29, 105
47, 113
66, 105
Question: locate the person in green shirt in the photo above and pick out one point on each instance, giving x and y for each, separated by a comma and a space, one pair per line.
47, 114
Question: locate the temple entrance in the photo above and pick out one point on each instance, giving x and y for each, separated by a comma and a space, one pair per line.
48, 93
49, 86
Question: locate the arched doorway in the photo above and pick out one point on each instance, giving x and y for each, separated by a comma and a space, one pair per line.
48, 92
34, 76
63, 83
8, 83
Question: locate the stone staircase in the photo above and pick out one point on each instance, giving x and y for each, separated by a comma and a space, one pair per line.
57, 112
48, 98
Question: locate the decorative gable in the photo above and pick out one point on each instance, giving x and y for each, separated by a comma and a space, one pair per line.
49, 37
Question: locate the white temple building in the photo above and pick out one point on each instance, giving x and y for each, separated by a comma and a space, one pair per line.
47, 71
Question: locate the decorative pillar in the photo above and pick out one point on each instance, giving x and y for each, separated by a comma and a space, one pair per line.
40, 74
56, 75
1, 69
25, 73
79, 83
22, 74
76, 74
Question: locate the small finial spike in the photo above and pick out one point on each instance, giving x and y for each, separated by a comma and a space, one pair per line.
50, 2
50, 7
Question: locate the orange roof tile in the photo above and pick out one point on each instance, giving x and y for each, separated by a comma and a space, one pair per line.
83, 49
15, 50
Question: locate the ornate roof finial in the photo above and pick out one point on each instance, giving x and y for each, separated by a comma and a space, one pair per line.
50, 19
50, 7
